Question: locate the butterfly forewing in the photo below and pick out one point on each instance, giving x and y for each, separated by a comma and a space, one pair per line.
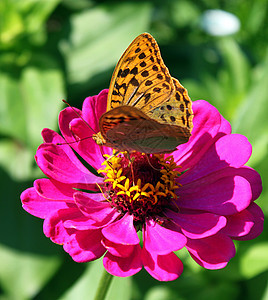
141, 78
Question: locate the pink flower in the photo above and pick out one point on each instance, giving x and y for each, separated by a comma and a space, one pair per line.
200, 197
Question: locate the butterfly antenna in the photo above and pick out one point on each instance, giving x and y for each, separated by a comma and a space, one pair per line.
86, 123
73, 142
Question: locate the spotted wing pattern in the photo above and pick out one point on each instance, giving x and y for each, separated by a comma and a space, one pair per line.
147, 110
177, 110
140, 78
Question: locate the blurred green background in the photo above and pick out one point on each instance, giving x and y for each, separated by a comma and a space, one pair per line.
53, 50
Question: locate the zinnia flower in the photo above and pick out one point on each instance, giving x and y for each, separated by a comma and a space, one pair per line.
137, 210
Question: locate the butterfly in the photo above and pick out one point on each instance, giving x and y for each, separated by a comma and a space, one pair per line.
147, 110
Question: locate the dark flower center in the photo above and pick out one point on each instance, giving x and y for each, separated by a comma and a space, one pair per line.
141, 185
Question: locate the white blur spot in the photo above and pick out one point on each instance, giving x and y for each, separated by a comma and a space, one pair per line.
219, 22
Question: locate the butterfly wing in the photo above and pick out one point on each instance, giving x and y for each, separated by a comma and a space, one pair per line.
126, 128
140, 78
119, 115
147, 110
177, 110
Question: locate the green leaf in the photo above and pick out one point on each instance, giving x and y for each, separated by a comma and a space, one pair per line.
184, 13
35, 12
235, 77
78, 4
93, 49
86, 286
162, 293
257, 15
251, 118
265, 294
12, 120
24, 18
29, 103
23, 274
11, 23
42, 90
255, 260
121, 288
17, 160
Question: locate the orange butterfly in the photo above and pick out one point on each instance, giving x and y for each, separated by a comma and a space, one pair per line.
147, 110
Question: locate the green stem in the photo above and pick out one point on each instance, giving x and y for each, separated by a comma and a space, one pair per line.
104, 285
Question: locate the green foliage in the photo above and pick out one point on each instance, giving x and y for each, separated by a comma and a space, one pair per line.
54, 50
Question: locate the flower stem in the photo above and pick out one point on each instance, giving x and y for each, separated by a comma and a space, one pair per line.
104, 285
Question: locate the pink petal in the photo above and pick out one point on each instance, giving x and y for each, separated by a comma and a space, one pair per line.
81, 223
54, 190
94, 107
98, 197
67, 120
75, 128
56, 164
213, 252
123, 266
162, 267
224, 192
239, 224
38, 206
65, 117
54, 225
257, 218
197, 226
87, 147
84, 246
52, 137
225, 127
122, 231
231, 150
162, 240
118, 249
254, 179
101, 212
207, 123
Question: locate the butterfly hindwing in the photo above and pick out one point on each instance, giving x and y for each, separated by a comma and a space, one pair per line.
127, 128
120, 115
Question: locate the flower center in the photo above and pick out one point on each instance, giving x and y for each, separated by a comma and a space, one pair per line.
142, 185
